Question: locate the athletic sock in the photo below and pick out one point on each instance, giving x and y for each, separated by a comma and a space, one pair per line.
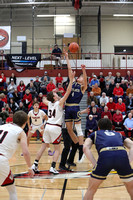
80, 151
53, 164
36, 163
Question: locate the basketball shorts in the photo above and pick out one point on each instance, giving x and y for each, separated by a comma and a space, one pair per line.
117, 160
34, 128
52, 134
72, 113
6, 177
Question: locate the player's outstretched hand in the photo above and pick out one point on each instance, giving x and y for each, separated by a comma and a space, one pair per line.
31, 172
83, 67
65, 53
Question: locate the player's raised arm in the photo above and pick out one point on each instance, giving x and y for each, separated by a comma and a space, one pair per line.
45, 101
84, 87
26, 154
68, 63
68, 91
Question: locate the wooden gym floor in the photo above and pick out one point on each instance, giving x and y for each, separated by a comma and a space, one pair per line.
50, 189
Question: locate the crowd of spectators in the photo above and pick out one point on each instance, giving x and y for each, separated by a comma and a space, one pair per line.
108, 96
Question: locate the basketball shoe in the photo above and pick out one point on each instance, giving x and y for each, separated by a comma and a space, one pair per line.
53, 170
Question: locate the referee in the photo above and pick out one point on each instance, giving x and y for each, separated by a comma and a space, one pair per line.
112, 155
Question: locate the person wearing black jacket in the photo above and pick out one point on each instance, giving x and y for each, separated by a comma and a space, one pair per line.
129, 102
107, 90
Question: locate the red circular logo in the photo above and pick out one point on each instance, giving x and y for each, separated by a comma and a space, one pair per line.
4, 37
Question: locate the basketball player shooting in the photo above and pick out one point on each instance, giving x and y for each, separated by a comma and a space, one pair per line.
53, 128
72, 109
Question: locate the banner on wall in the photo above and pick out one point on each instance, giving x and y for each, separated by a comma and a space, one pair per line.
5, 32
22, 61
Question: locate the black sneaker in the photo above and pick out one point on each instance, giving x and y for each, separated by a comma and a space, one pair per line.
61, 167
71, 164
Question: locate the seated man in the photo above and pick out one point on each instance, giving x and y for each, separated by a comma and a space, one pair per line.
121, 106
112, 155
106, 113
91, 125
128, 124
118, 120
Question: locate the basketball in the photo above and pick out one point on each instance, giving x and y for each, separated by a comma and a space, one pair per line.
73, 47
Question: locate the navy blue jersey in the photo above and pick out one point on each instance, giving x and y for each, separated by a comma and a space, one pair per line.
75, 95
106, 138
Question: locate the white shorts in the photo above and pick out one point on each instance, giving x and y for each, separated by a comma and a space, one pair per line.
34, 128
6, 178
52, 134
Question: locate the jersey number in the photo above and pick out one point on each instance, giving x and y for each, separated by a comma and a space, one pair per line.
3, 135
52, 114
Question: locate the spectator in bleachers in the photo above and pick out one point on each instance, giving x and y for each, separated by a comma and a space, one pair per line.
56, 55
124, 86
1, 103
104, 98
118, 78
7, 108
61, 89
109, 78
91, 125
32, 89
3, 115
40, 96
93, 104
101, 108
9, 120
21, 89
45, 74
130, 89
91, 98
94, 81
121, 106
36, 84
112, 85
118, 92
2, 82
128, 124
12, 77
43, 85
21, 107
118, 120
4, 98
111, 105
58, 79
27, 98
50, 86
107, 90
129, 102
101, 79
11, 88
129, 77
97, 91
16, 96
106, 113
95, 113
13, 105
91, 77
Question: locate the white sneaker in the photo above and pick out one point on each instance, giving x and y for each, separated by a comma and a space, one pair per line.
35, 168
53, 170
82, 159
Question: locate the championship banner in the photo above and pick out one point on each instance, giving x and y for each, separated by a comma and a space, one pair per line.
21, 61
5, 32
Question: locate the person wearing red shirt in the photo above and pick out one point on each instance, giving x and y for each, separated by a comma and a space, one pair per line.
58, 79
9, 120
21, 89
117, 120
3, 97
61, 89
118, 92
106, 113
27, 98
50, 86
121, 106
2, 81
111, 105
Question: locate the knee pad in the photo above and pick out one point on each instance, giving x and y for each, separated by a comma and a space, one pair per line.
78, 130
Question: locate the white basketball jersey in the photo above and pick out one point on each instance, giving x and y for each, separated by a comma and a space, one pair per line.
36, 118
55, 113
9, 134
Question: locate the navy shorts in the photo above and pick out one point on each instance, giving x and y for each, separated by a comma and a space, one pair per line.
72, 113
108, 160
